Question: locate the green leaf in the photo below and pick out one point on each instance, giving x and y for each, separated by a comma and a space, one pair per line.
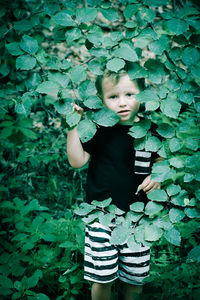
191, 143
86, 130
84, 209
175, 144
87, 89
65, 107
29, 133
23, 25
110, 14
137, 71
176, 215
99, 52
95, 67
160, 172
173, 236
147, 95
78, 74
153, 208
13, 48
34, 279
102, 204
130, 10
130, 24
139, 234
29, 44
158, 195
173, 189
151, 105
194, 255
137, 206
192, 212
152, 233
197, 192
152, 144
31, 206
166, 130
105, 117
176, 26
156, 2
41, 296
84, 15
93, 102
6, 132
115, 64
132, 244
139, 130
106, 219
147, 14
120, 235
159, 46
73, 119
72, 35
60, 78
196, 72
20, 109
63, 19
25, 62
190, 56
6, 282
48, 87
126, 53
180, 199
66, 64
176, 162
95, 38
170, 108
114, 210
155, 70
187, 98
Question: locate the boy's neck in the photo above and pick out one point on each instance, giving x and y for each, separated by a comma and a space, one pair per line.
130, 122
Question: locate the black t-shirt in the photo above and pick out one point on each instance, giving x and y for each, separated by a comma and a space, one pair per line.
116, 169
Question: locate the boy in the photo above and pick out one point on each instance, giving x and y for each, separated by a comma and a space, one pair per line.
115, 171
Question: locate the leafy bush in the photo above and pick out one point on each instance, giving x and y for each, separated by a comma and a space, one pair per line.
41, 254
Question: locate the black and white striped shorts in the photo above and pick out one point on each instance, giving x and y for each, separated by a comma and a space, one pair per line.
104, 262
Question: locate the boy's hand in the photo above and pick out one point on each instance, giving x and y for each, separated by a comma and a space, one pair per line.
76, 108
149, 185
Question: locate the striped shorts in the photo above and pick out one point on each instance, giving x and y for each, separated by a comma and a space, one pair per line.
104, 262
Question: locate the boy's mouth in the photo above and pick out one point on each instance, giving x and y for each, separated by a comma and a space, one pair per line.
123, 112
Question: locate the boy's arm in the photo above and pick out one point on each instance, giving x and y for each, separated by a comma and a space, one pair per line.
76, 155
149, 185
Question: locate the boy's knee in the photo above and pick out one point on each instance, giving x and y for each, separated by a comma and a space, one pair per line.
137, 289
103, 286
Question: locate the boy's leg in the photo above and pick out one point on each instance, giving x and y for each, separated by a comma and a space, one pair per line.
100, 260
101, 291
131, 291
133, 269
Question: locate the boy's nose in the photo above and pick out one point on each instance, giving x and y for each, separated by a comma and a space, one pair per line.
122, 101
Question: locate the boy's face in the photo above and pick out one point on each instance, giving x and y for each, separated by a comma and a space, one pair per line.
120, 98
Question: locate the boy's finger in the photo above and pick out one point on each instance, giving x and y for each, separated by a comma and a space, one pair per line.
77, 107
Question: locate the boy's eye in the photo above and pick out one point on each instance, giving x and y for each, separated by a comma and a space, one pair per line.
113, 96
129, 94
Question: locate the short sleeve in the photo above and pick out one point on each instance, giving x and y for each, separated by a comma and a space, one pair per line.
88, 146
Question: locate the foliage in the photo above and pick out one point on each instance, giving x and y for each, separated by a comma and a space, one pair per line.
51, 53
41, 252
